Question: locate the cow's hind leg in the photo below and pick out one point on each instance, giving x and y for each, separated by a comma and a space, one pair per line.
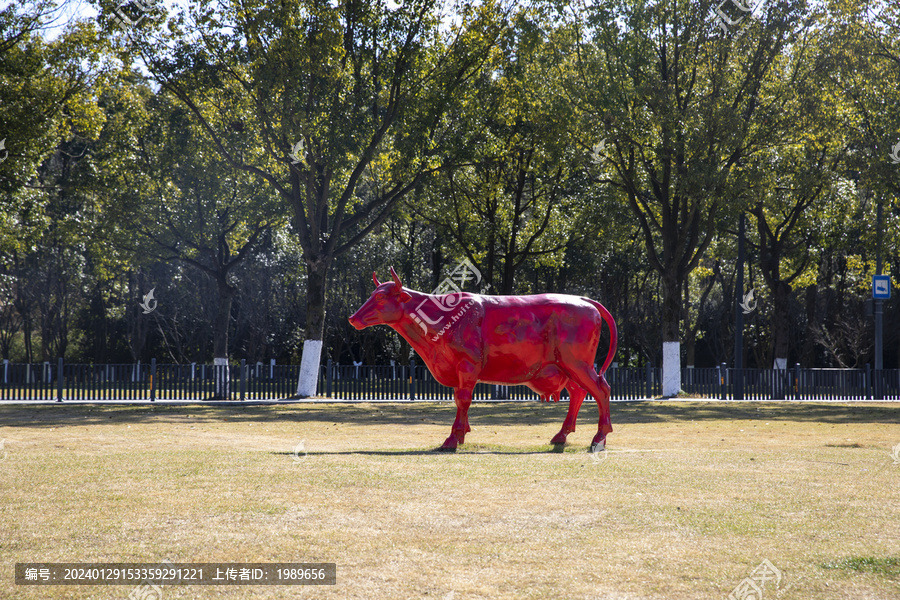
597, 387
577, 395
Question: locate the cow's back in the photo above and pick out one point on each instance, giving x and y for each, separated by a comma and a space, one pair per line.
521, 334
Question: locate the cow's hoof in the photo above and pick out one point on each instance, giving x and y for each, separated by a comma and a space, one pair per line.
444, 449
449, 444
559, 438
598, 447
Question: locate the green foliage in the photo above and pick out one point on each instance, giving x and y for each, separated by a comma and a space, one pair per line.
675, 107
48, 97
886, 566
256, 150
516, 192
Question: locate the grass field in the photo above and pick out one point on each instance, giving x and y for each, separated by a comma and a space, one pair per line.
688, 500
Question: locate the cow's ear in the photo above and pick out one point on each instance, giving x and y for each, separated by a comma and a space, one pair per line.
404, 296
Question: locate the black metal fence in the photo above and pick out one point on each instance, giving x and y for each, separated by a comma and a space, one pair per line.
146, 381
152, 381
792, 384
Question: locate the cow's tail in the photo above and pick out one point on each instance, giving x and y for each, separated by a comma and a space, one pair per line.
613, 334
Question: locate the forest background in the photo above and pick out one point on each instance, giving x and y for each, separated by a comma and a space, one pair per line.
253, 162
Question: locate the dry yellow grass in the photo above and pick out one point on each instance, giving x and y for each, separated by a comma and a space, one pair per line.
688, 500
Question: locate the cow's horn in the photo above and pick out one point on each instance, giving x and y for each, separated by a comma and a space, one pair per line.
396, 278
375, 279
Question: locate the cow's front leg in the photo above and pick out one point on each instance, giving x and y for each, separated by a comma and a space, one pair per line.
461, 424
463, 397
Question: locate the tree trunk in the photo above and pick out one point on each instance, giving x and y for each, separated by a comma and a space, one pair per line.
808, 356
491, 254
220, 337
99, 325
690, 332
671, 377
437, 261
316, 279
27, 328
780, 336
139, 324
508, 279
781, 295
61, 338
690, 345
223, 319
47, 317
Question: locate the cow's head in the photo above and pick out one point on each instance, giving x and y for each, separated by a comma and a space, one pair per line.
384, 306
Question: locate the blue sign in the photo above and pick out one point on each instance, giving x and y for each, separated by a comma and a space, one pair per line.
881, 287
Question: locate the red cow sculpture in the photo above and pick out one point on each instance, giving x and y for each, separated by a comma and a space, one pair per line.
547, 342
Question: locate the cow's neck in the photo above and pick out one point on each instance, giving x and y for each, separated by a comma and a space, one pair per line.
412, 333
421, 341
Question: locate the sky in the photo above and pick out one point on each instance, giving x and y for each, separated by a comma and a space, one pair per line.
72, 10
75, 9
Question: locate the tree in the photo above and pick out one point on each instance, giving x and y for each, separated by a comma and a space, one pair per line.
182, 202
863, 73
48, 109
785, 212
511, 199
48, 93
352, 106
675, 107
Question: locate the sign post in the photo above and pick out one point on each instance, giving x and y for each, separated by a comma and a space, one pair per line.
881, 291
881, 287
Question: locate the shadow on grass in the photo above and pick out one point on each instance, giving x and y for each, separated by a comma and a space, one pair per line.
466, 449
442, 413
